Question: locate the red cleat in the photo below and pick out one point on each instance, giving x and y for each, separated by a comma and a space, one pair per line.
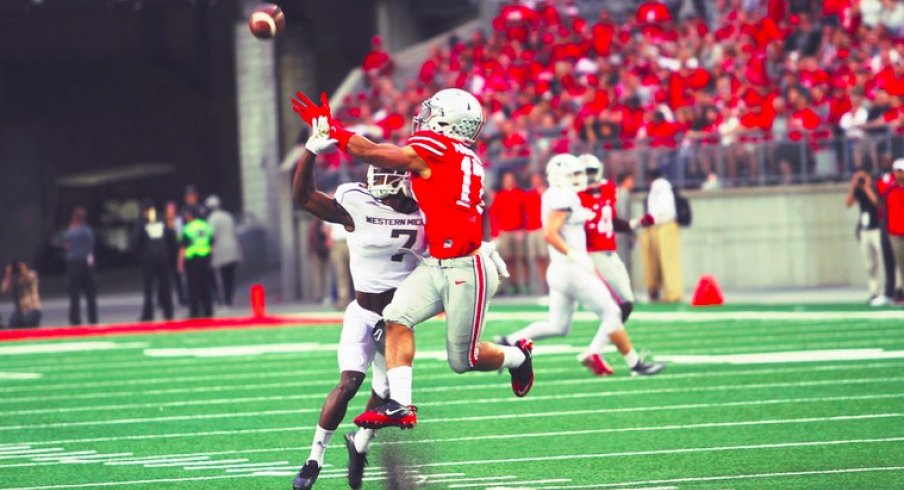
597, 365
523, 375
389, 414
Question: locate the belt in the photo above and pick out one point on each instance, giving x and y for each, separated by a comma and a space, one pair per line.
455, 262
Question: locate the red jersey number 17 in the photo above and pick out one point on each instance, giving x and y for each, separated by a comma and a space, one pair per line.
471, 167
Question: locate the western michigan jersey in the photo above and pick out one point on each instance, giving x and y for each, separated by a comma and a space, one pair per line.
383, 246
600, 201
557, 199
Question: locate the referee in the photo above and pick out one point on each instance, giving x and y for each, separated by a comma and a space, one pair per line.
194, 259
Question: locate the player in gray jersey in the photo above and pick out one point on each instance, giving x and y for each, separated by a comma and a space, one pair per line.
386, 235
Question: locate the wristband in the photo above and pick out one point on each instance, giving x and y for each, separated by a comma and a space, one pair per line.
342, 136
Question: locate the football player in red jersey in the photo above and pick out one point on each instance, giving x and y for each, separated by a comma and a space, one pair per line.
462, 272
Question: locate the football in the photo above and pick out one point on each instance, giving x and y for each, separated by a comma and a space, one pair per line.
267, 21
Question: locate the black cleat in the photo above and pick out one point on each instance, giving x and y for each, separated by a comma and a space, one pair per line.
643, 368
523, 375
356, 462
306, 476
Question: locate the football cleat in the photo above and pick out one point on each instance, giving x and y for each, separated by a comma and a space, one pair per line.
389, 414
306, 476
597, 365
523, 375
356, 462
643, 368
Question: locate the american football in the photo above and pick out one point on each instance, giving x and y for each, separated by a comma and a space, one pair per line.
452, 245
267, 21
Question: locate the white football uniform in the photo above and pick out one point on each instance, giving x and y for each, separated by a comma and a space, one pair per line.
569, 282
383, 250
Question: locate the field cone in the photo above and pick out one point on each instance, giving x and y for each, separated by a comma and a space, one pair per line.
707, 292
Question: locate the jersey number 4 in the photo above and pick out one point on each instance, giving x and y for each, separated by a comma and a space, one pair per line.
409, 242
471, 167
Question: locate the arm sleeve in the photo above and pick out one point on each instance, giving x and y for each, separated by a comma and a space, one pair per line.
429, 146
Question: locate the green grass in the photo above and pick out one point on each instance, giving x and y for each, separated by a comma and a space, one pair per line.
837, 424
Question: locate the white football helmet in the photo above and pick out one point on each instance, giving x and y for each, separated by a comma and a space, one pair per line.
565, 171
382, 182
593, 166
451, 112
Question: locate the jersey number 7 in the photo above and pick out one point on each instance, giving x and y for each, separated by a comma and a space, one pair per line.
412, 237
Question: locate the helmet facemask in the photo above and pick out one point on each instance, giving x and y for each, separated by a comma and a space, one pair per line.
383, 183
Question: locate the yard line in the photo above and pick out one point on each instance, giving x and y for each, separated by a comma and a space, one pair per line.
711, 316
740, 477
57, 456
557, 413
706, 425
31, 452
13, 449
71, 368
565, 457
474, 478
153, 460
522, 482
199, 462
238, 466
135, 482
508, 399
845, 365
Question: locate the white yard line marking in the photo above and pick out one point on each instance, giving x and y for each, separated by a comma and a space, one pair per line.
155, 460
520, 482
710, 316
509, 399
13, 449
740, 477
565, 457
241, 350
31, 452
58, 347
580, 380
134, 482
20, 376
693, 406
474, 478
707, 425
58, 456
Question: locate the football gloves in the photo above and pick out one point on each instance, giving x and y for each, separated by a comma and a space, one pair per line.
320, 140
309, 112
489, 249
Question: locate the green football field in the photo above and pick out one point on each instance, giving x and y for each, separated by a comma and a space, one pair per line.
753, 397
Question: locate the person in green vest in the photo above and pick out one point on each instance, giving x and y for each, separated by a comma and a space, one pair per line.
194, 260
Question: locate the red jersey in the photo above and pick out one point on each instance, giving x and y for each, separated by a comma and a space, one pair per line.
533, 219
600, 200
894, 203
508, 209
452, 197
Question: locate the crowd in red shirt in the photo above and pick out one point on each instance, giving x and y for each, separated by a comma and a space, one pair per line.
546, 74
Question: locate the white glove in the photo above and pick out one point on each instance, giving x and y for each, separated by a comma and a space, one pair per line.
320, 140
489, 249
581, 259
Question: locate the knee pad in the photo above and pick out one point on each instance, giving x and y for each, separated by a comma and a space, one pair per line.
626, 309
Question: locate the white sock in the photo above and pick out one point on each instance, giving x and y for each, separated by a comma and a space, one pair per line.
318, 447
631, 358
512, 357
363, 438
400, 384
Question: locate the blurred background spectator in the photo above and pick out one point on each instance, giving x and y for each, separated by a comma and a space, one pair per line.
894, 207
661, 244
319, 255
80, 274
197, 242
226, 254
862, 192
173, 223
507, 208
155, 245
22, 284
624, 241
536, 247
336, 236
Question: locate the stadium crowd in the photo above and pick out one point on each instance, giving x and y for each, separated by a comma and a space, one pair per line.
768, 91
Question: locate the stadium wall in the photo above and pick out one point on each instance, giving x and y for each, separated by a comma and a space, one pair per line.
776, 237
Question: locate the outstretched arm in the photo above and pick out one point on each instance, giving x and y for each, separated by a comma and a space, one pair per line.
306, 195
384, 155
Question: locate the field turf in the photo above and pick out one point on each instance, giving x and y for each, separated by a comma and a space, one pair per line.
753, 397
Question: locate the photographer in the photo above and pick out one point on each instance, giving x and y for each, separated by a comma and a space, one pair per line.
869, 234
23, 283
